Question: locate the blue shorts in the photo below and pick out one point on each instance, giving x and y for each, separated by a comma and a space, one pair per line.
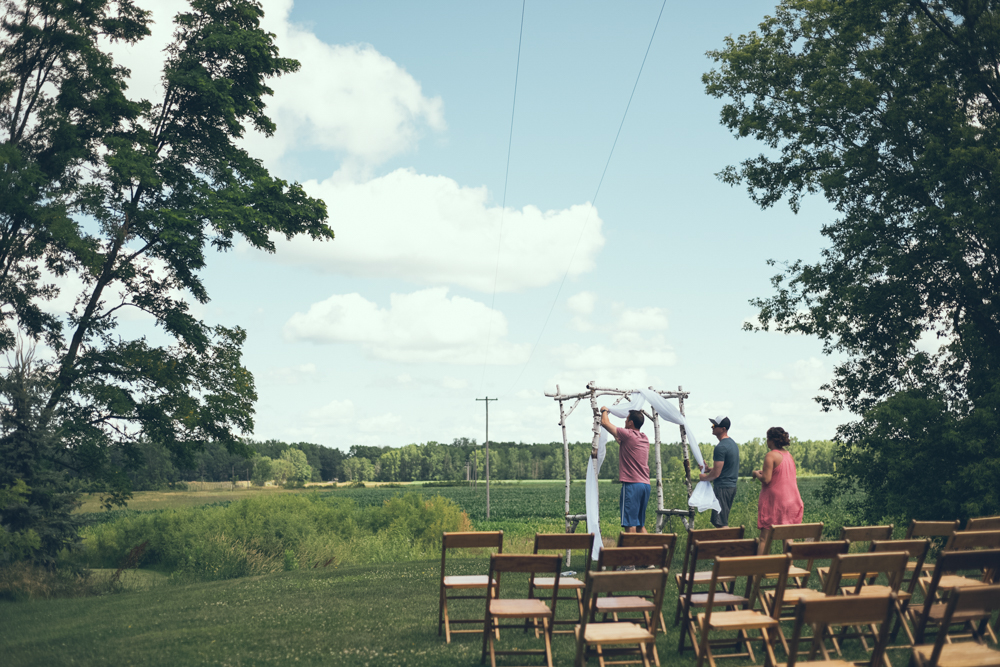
634, 498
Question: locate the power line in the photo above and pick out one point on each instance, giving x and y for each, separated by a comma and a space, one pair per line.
593, 202
503, 205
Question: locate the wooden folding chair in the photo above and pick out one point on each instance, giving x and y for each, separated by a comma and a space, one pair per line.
964, 541
916, 551
978, 602
985, 562
754, 568
702, 577
984, 523
668, 540
788, 533
821, 613
617, 558
608, 638
498, 608
703, 552
801, 551
861, 538
465, 583
866, 571
935, 530
563, 542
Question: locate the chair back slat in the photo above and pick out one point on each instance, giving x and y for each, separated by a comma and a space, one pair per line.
931, 529
634, 580
525, 563
865, 566
723, 548
817, 550
797, 531
647, 540
473, 540
846, 609
613, 557
984, 523
866, 533
915, 549
966, 540
748, 566
561, 541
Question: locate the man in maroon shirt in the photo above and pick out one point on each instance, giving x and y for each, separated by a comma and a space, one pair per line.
633, 469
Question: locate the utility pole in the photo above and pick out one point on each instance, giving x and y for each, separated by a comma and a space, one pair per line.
487, 400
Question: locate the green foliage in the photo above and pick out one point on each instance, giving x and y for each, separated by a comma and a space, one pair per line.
300, 471
256, 535
891, 110
263, 470
124, 197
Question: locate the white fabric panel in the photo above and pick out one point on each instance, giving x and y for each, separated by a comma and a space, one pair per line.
703, 498
594, 467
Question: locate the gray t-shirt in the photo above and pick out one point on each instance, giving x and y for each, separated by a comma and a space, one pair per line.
728, 451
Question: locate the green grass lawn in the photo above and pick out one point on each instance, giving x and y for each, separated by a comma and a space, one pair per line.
351, 616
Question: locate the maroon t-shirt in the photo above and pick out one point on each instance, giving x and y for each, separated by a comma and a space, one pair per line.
633, 455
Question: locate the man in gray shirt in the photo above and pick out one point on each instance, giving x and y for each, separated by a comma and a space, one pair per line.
725, 470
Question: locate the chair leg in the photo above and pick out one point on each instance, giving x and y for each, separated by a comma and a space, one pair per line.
547, 630
447, 625
487, 636
643, 650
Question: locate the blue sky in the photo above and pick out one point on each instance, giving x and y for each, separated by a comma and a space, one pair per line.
400, 118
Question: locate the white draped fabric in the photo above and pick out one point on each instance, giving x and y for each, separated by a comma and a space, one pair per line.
702, 498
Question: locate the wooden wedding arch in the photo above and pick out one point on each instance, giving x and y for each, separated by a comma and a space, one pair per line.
592, 393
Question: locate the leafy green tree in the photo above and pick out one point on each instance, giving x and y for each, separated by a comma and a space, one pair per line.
301, 470
263, 470
890, 109
388, 466
126, 196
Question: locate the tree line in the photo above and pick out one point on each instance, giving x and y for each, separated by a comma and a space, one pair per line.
274, 460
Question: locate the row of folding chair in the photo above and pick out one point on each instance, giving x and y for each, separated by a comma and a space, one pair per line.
733, 559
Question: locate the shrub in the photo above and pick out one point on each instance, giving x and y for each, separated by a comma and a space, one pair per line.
271, 533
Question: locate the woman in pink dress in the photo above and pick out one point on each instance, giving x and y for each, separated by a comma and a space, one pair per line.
780, 502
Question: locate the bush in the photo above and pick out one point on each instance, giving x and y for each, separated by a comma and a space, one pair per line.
268, 534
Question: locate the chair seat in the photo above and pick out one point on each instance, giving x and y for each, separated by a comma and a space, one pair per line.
470, 581
824, 663
615, 633
564, 582
937, 613
702, 577
519, 609
745, 619
793, 572
950, 581
721, 599
609, 605
966, 654
793, 595
875, 591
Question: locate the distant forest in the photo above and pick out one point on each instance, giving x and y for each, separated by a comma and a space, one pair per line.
433, 461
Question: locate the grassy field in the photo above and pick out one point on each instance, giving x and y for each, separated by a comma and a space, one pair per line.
356, 615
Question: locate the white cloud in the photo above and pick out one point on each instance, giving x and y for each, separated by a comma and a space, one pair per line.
424, 326
582, 303
643, 319
453, 383
431, 230
582, 306
347, 98
291, 375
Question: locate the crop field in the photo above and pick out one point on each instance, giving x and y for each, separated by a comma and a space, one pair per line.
382, 613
